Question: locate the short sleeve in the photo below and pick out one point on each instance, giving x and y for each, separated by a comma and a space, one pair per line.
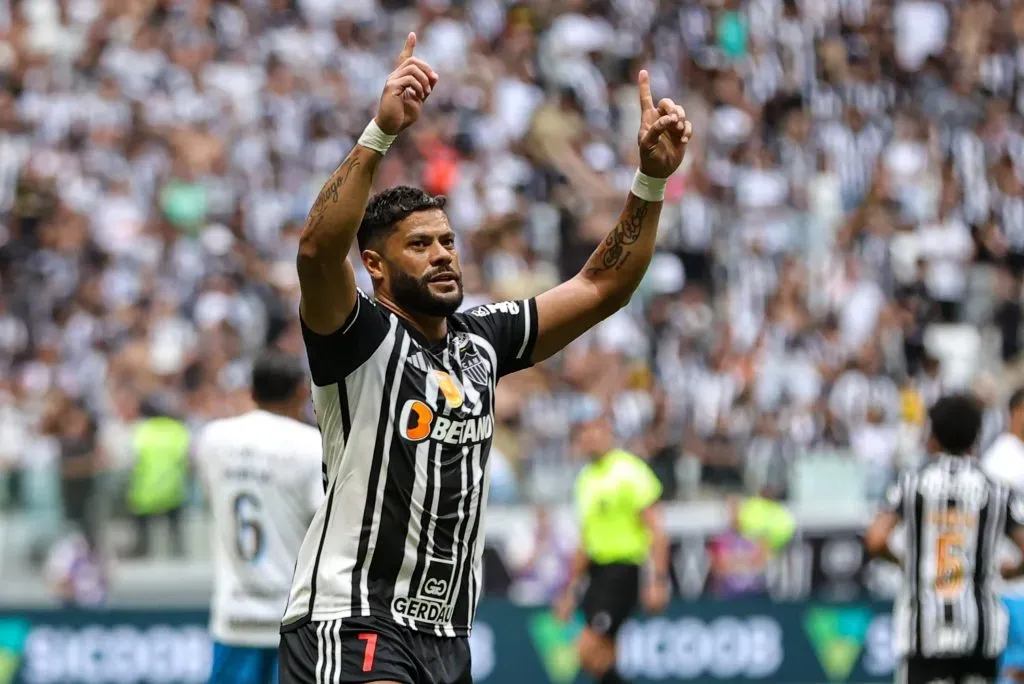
510, 328
646, 487
332, 357
1014, 512
894, 498
1004, 463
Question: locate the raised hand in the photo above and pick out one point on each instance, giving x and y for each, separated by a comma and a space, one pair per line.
405, 91
664, 133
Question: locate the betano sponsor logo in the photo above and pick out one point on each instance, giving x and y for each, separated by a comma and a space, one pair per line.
418, 422
415, 420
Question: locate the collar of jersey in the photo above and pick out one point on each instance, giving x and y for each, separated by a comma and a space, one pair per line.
420, 338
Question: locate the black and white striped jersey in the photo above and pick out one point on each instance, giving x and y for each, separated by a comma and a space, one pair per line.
407, 428
955, 518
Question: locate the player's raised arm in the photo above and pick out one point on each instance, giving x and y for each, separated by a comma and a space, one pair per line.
325, 276
617, 266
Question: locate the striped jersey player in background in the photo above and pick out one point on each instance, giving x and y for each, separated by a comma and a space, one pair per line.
949, 622
263, 480
389, 574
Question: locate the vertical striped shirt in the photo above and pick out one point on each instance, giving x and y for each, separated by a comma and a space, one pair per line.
955, 517
407, 428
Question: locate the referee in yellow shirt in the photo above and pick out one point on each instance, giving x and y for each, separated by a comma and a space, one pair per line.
616, 500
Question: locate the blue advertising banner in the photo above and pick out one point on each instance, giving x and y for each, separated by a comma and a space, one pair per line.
90, 647
728, 642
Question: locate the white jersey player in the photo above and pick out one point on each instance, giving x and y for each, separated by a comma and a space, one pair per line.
1004, 460
263, 477
1004, 463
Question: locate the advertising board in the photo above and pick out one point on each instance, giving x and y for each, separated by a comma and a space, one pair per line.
825, 561
735, 642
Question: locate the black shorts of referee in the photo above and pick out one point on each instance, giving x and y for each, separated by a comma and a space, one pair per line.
612, 595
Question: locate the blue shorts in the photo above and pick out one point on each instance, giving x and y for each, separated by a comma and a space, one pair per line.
243, 665
1013, 656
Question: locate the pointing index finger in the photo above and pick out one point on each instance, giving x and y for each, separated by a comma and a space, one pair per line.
644, 81
410, 45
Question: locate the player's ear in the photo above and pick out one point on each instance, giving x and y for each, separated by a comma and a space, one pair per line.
374, 263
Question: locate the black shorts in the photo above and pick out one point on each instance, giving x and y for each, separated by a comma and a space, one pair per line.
612, 595
354, 650
966, 670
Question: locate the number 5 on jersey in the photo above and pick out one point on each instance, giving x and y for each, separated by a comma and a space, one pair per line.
950, 564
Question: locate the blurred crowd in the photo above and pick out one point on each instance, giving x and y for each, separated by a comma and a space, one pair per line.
844, 241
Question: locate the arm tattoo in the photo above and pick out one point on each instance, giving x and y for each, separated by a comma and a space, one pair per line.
329, 193
613, 252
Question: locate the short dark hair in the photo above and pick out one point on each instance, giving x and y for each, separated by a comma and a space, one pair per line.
1016, 399
276, 375
955, 423
388, 207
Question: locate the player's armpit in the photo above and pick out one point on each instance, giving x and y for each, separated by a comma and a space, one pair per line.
326, 278
605, 284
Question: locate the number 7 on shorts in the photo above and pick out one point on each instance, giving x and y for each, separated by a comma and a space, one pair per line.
371, 647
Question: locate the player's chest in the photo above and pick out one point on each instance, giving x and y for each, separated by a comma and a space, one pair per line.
446, 395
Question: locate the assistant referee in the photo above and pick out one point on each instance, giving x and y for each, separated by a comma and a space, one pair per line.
616, 496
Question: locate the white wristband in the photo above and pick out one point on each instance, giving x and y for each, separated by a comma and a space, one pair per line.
647, 188
375, 139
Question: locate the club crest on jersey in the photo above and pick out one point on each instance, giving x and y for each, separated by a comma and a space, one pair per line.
475, 368
450, 388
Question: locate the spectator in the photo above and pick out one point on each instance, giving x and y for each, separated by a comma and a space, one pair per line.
158, 487
75, 574
854, 192
758, 528
75, 430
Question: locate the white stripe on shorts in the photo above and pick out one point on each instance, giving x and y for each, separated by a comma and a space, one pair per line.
337, 651
320, 652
